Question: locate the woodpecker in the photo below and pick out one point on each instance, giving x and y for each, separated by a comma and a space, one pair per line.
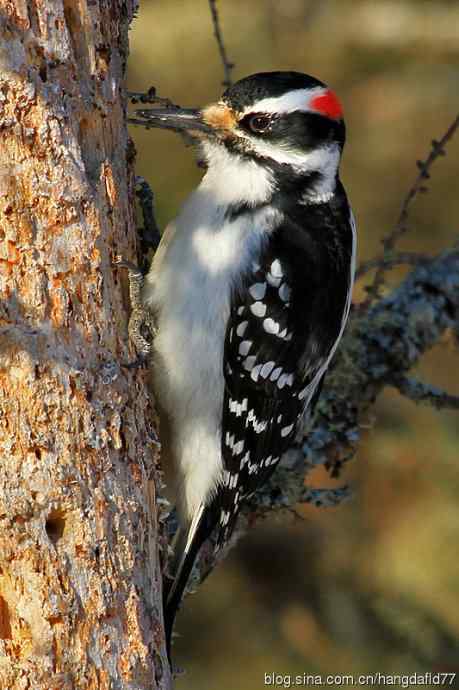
250, 290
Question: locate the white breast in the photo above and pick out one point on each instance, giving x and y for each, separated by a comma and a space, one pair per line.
201, 257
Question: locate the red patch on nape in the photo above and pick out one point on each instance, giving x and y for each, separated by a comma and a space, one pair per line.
327, 104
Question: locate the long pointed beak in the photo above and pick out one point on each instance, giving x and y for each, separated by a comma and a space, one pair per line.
184, 120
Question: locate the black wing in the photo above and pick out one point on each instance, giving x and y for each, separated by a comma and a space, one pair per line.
284, 322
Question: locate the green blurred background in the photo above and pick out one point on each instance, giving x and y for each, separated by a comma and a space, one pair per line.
374, 584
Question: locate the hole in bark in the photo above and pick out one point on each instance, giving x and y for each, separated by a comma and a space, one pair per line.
54, 620
5, 618
89, 132
43, 72
55, 525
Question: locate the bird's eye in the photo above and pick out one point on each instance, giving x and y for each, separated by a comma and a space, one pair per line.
259, 123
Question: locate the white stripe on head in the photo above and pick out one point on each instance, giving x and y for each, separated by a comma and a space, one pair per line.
299, 99
323, 159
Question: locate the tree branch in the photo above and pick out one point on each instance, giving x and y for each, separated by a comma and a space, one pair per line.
418, 186
227, 65
326, 498
389, 260
425, 393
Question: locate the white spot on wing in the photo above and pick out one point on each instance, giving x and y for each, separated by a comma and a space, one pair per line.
258, 290
233, 481
276, 269
254, 374
258, 308
282, 380
266, 369
245, 460
240, 330
224, 517
260, 426
303, 393
275, 374
244, 347
284, 292
238, 447
271, 326
249, 362
275, 282
286, 430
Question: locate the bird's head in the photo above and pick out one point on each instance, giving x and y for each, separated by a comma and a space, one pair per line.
287, 123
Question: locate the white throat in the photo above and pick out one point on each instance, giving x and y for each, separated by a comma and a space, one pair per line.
233, 179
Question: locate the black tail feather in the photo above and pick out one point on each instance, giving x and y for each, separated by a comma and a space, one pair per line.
174, 589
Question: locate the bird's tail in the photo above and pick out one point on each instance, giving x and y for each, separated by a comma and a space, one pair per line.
187, 547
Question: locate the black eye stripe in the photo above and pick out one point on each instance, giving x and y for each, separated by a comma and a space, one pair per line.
303, 129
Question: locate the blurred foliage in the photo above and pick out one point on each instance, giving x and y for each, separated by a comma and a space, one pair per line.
374, 584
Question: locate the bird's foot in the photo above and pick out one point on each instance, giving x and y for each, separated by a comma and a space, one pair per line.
141, 326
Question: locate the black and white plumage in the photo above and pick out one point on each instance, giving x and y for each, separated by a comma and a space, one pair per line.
251, 290
285, 322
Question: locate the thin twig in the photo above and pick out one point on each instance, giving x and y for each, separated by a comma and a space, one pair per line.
438, 149
389, 261
150, 97
326, 498
227, 65
425, 393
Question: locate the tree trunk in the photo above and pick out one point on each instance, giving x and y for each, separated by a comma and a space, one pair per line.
80, 584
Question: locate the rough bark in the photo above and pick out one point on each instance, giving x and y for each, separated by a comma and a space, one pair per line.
80, 586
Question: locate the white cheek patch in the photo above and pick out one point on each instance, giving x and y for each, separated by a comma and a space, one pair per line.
324, 160
317, 159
